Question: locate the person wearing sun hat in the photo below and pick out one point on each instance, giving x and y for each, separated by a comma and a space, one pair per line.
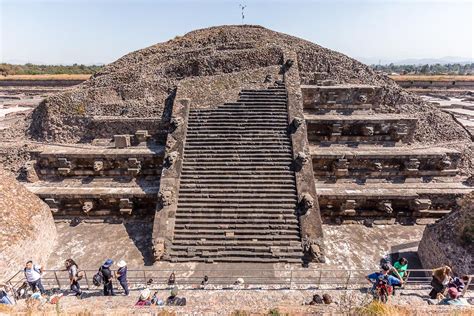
107, 277
122, 276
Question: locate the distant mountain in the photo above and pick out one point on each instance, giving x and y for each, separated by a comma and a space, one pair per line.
416, 61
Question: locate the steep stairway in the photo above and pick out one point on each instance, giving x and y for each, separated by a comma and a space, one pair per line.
237, 195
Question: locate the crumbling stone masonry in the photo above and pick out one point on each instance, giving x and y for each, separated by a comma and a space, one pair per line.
27, 227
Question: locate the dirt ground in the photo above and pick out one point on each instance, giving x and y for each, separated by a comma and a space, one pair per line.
347, 246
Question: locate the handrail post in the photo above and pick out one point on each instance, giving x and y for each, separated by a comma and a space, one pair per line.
87, 281
291, 278
57, 280
348, 278
464, 291
408, 277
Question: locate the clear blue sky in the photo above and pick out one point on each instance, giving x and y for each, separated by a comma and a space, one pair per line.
100, 31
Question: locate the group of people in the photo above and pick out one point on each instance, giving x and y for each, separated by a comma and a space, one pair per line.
446, 288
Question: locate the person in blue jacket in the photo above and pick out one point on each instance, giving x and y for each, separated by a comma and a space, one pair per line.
383, 274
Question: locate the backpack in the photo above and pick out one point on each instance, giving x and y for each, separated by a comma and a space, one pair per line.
98, 278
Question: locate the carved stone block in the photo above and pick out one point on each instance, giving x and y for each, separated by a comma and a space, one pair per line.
171, 159
175, 123
301, 159
98, 165
336, 129
64, 171
30, 172
421, 204
367, 130
126, 206
412, 165
87, 206
386, 206
53, 204
306, 203
166, 197
399, 131
141, 136
295, 124
122, 141
341, 167
444, 163
134, 166
348, 207
377, 166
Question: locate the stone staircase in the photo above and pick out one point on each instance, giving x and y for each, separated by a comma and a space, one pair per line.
237, 195
365, 167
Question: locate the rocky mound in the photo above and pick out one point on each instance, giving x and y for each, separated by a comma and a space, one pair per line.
451, 240
143, 83
27, 227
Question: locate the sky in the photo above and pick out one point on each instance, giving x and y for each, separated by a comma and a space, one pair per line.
101, 31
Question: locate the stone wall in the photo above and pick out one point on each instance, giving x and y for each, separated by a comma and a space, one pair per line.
450, 241
27, 227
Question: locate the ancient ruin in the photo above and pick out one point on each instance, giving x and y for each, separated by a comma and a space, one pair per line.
238, 143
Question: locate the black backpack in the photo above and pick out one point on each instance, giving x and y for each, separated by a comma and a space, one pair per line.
98, 278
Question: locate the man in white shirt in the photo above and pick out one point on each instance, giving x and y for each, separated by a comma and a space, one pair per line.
33, 274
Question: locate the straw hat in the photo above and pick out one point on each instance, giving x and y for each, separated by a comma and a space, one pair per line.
121, 264
145, 294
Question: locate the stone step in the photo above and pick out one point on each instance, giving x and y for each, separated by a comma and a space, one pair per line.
242, 252
228, 195
289, 237
231, 168
245, 190
235, 203
277, 144
260, 249
202, 156
237, 116
218, 121
241, 172
247, 243
202, 178
219, 227
280, 150
223, 133
238, 212
235, 220
238, 184
210, 126
234, 182
257, 165
239, 200
238, 259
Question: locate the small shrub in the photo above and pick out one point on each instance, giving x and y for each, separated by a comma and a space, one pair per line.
376, 308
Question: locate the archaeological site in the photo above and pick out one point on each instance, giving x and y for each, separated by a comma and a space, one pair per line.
236, 147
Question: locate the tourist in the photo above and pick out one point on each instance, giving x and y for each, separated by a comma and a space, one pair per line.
316, 300
459, 283
122, 276
33, 275
377, 277
439, 281
144, 298
401, 267
327, 299
454, 299
4, 298
204, 282
172, 279
107, 277
174, 300
74, 277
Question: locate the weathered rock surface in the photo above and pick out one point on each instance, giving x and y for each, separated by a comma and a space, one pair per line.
451, 240
142, 83
27, 230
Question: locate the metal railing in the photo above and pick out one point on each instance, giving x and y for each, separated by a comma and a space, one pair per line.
271, 279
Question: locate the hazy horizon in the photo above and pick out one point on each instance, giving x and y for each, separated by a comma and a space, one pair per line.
99, 32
